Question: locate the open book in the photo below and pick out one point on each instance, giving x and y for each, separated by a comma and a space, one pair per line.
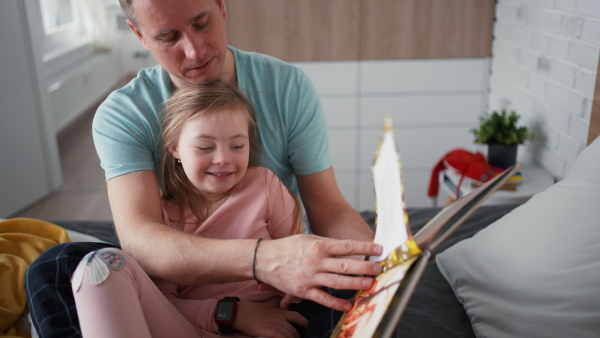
376, 312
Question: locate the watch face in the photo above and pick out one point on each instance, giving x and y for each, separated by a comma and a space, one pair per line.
225, 311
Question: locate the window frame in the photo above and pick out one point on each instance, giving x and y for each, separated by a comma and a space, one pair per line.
64, 46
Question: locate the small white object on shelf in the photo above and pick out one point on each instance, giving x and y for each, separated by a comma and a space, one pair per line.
534, 180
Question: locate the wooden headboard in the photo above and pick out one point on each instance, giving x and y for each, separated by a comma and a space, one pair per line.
595, 120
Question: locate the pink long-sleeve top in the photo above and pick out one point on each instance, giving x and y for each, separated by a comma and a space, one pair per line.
259, 207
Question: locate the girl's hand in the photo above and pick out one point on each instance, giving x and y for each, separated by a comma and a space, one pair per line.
259, 320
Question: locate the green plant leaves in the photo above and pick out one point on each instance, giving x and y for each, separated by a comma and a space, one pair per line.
501, 128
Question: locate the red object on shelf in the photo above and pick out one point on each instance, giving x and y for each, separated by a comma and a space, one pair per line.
463, 163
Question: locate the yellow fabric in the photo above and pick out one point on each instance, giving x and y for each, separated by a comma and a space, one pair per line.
14, 331
22, 240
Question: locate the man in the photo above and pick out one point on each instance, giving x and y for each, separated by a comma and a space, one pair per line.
188, 39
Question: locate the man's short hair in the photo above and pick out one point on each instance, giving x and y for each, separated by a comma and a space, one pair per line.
127, 7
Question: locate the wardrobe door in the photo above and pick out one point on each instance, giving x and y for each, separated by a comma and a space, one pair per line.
23, 172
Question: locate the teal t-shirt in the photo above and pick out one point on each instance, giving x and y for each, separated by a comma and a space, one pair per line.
293, 137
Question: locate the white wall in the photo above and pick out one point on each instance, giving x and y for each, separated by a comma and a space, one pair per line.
74, 90
544, 63
433, 104
25, 175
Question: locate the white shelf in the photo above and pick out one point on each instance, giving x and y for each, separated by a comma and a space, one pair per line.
535, 179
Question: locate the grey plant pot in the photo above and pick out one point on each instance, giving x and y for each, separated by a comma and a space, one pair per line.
501, 156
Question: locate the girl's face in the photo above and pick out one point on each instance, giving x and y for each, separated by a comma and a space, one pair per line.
214, 151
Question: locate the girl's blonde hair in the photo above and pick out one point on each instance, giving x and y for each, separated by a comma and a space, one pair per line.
197, 101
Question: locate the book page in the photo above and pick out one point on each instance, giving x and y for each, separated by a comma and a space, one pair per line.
391, 229
370, 306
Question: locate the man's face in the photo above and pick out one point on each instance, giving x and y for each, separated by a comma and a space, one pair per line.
187, 37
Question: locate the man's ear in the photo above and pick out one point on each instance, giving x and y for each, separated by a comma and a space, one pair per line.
222, 9
137, 32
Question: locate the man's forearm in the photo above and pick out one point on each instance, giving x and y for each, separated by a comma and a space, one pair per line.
165, 252
343, 223
328, 212
185, 258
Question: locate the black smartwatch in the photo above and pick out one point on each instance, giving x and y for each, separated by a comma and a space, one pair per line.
225, 314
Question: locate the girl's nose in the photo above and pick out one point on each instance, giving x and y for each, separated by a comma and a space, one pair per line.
221, 157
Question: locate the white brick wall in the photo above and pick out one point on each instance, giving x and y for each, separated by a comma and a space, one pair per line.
544, 63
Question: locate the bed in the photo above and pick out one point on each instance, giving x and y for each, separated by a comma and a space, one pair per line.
509, 271
434, 310
523, 270
529, 270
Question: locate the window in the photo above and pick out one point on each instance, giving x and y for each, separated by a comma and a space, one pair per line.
57, 15
63, 27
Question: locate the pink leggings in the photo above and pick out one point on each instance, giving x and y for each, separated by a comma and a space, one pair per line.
126, 303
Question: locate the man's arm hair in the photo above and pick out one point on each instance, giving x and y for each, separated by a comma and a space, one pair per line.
328, 212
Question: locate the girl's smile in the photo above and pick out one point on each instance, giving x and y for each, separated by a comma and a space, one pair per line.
214, 151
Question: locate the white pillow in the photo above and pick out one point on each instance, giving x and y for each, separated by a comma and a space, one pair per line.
536, 271
589, 154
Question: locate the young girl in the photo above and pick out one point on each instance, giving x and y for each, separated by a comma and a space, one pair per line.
212, 188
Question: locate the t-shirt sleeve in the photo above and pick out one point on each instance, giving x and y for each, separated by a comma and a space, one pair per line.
308, 143
124, 138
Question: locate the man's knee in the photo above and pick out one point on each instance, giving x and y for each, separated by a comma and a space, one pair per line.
48, 288
60, 261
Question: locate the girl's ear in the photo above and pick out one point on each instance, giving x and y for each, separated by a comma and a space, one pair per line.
174, 152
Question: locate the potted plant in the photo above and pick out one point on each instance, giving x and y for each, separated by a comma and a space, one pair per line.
499, 130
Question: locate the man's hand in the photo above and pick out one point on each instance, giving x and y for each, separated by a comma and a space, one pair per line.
259, 320
286, 300
300, 265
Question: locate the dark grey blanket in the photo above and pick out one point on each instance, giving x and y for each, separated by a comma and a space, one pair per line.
433, 310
